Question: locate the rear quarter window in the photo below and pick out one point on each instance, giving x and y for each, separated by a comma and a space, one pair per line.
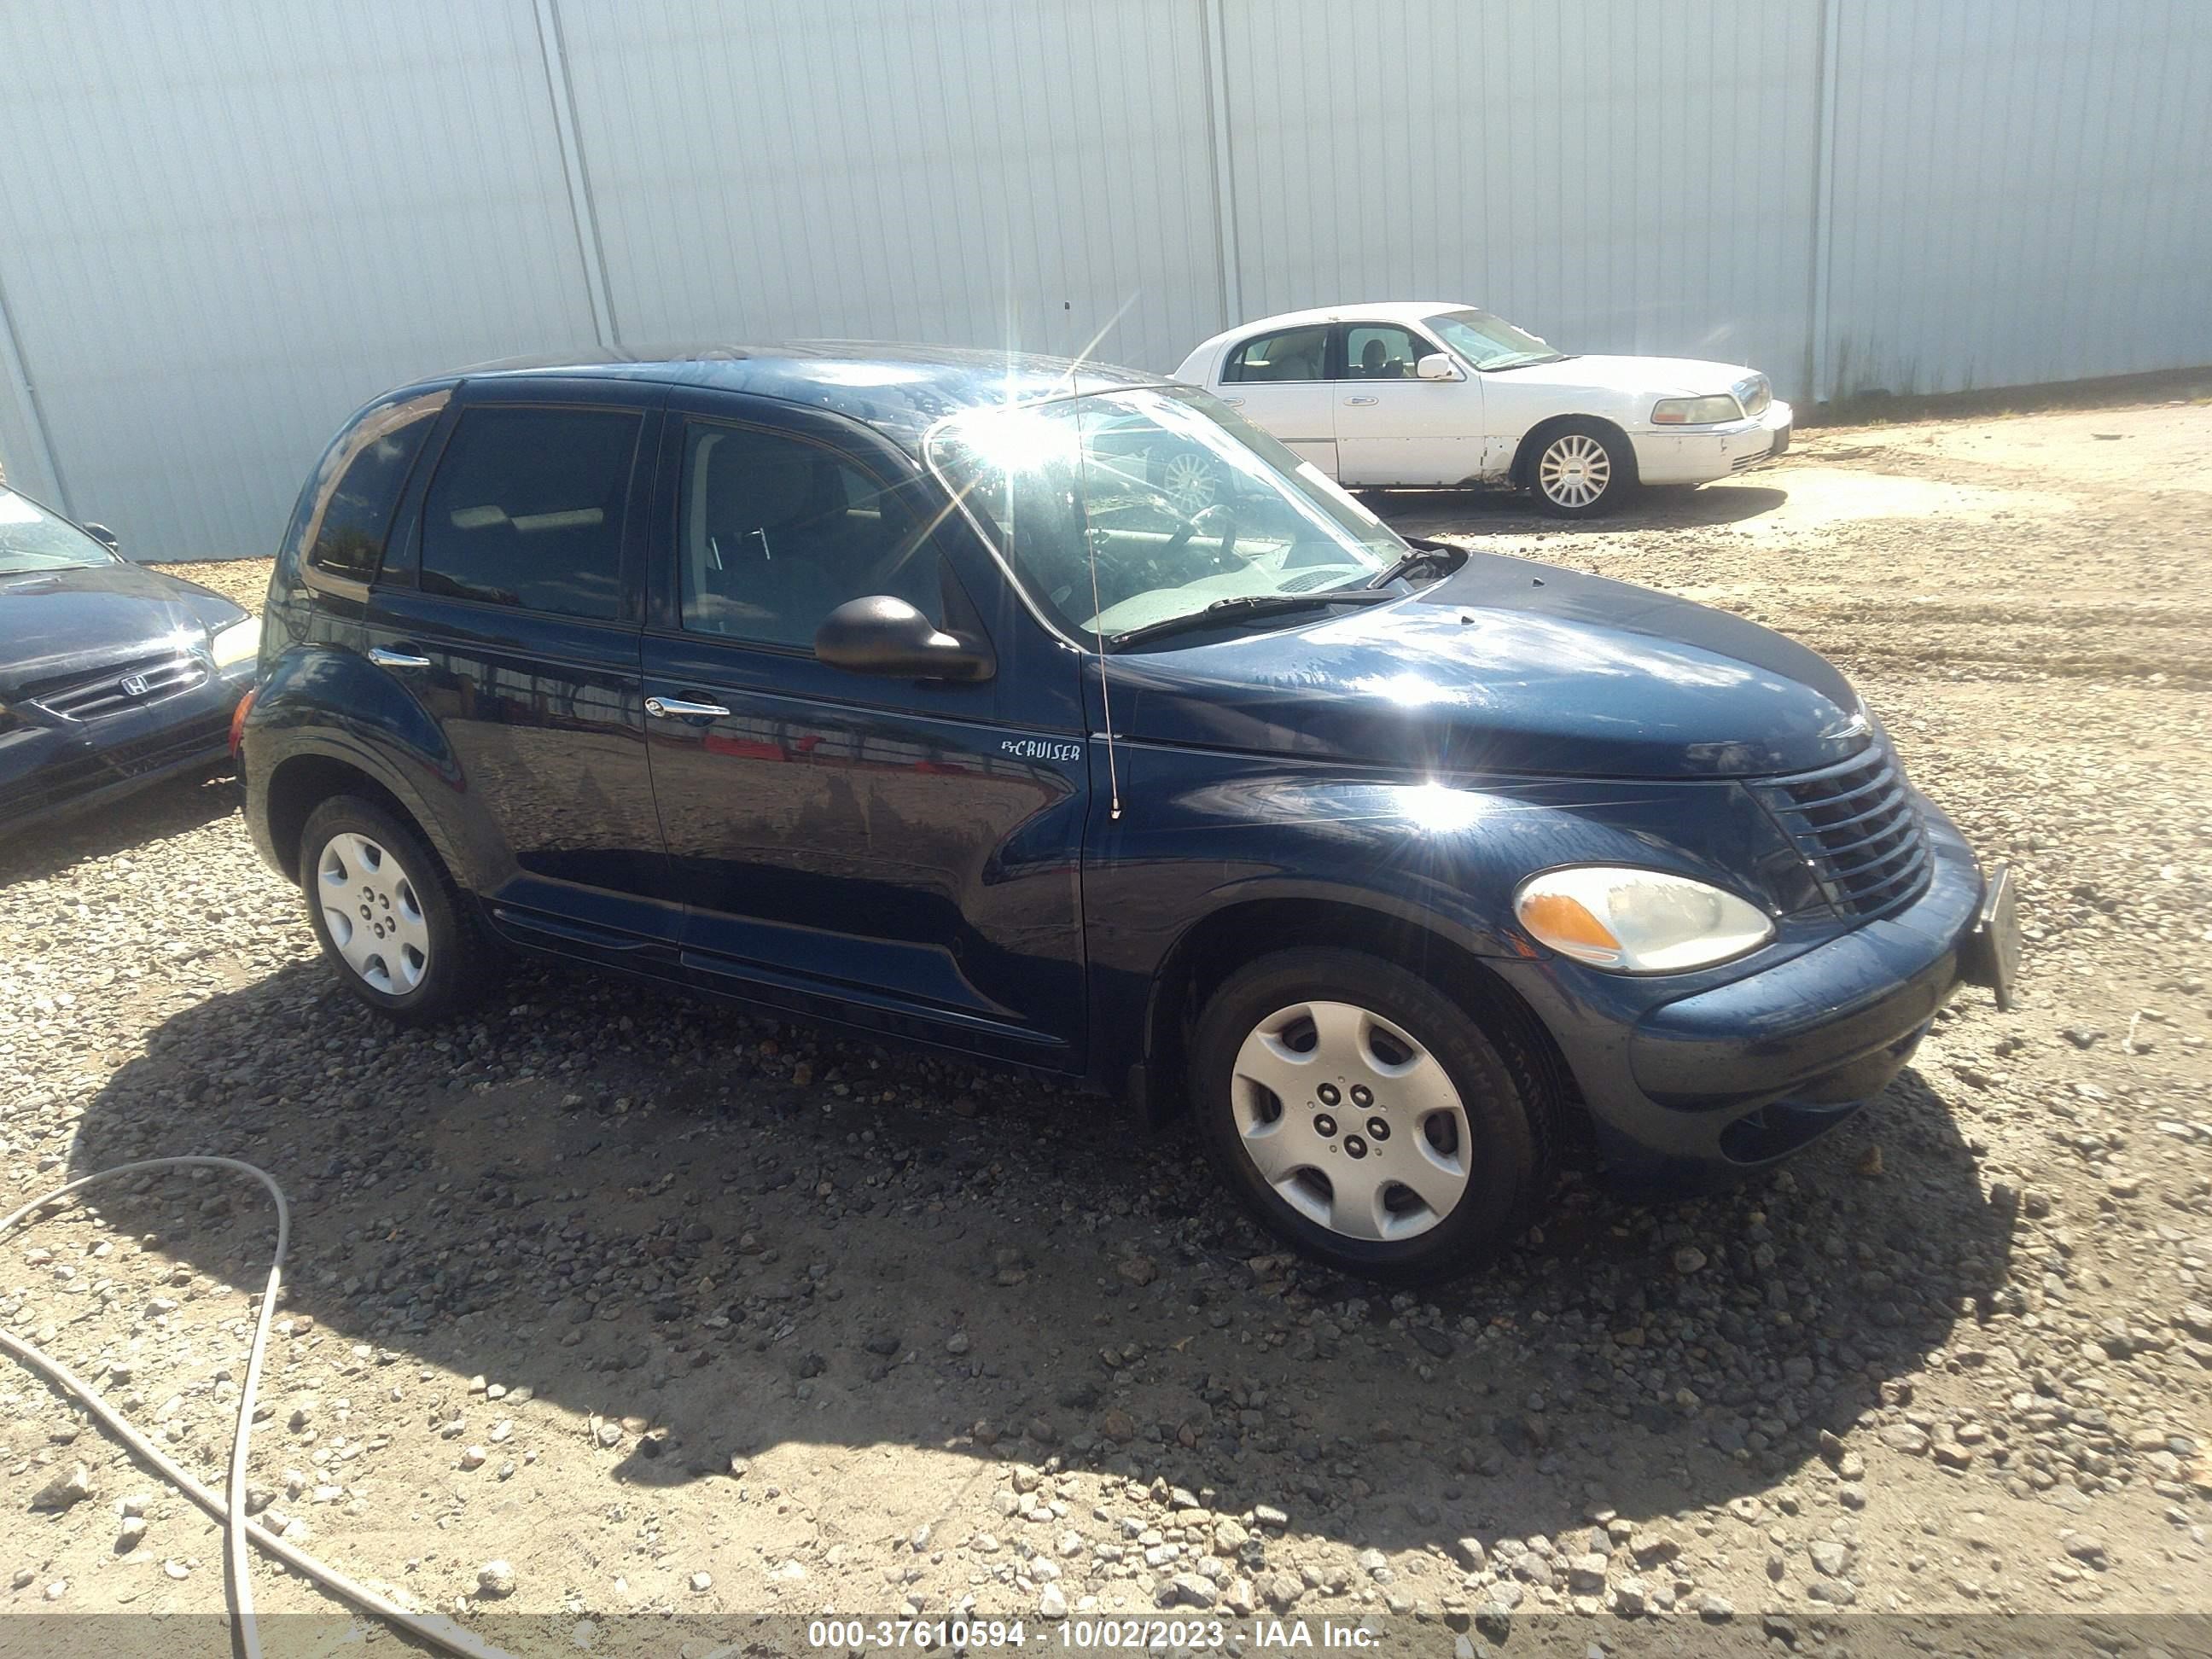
345, 511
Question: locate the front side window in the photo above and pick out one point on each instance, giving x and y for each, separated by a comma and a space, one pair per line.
357, 514
1119, 510
526, 510
777, 531
1290, 354
31, 538
1382, 351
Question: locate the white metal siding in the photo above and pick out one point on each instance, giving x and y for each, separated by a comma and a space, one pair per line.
2023, 192
224, 225
223, 228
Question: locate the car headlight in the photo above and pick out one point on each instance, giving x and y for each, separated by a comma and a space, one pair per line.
1696, 412
235, 643
1638, 921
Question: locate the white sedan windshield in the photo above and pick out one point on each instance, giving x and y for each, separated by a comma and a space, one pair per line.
1488, 342
1119, 510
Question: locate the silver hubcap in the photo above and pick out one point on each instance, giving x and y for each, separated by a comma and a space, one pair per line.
1574, 471
1190, 481
368, 904
1353, 1123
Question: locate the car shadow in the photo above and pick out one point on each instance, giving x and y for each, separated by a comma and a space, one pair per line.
703, 1237
1501, 512
165, 809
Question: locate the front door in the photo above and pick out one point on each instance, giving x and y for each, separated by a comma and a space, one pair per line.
511, 612
1280, 382
890, 852
1393, 429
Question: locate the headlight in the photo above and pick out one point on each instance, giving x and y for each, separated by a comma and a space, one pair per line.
1696, 412
1638, 921
235, 643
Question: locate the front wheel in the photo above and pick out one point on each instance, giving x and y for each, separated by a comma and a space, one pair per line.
1580, 468
1366, 1118
387, 914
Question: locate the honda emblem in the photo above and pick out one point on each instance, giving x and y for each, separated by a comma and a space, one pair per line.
133, 685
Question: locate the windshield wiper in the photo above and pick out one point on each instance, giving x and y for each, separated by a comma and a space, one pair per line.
1526, 362
1224, 611
1423, 554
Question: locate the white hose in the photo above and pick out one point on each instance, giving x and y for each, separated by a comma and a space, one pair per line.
238, 1528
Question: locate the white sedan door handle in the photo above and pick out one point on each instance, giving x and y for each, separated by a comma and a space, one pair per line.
1359, 402
1234, 403
673, 709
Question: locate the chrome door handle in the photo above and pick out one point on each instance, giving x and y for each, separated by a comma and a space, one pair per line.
674, 708
384, 658
1234, 403
1359, 402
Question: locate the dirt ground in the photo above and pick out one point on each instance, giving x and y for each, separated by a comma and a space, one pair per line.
613, 1320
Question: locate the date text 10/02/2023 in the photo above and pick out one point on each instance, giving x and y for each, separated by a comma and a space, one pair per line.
1086, 1635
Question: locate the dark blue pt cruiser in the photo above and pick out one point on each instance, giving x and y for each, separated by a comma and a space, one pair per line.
1054, 714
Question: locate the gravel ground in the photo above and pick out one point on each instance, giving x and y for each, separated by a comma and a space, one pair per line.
603, 1306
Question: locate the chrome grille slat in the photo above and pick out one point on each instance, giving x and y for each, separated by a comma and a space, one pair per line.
91, 696
1857, 829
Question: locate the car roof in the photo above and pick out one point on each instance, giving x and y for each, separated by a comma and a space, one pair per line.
900, 390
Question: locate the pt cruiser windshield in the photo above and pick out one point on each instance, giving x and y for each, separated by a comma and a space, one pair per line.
1127, 513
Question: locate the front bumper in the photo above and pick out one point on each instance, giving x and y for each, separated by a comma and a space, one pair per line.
51, 768
1688, 1092
1677, 455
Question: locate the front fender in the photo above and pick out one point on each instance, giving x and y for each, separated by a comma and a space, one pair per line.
320, 702
1203, 837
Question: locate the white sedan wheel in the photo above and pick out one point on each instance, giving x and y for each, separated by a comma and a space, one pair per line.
1574, 471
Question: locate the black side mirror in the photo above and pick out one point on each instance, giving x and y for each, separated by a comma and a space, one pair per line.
107, 537
881, 635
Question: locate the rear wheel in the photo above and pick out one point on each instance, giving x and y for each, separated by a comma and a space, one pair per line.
1365, 1117
1580, 468
387, 914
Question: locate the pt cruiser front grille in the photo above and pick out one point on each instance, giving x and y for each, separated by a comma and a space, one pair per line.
1857, 827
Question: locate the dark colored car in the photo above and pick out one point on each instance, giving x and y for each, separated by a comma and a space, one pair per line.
113, 677
790, 674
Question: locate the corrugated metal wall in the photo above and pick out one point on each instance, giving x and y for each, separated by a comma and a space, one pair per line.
221, 226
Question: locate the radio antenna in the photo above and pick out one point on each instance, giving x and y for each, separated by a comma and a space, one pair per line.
1098, 633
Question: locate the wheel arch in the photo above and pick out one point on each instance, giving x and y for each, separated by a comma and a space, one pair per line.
1534, 440
302, 782
1218, 944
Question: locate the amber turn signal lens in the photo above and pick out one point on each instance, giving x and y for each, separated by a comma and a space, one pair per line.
1561, 921
238, 719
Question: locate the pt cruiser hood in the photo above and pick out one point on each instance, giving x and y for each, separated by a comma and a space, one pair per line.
58, 623
1507, 666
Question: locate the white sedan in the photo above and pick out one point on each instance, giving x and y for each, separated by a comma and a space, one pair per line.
1426, 395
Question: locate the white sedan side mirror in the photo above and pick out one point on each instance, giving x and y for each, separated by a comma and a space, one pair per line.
1438, 366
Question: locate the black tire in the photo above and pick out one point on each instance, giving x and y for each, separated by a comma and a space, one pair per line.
459, 960
1564, 497
1508, 1155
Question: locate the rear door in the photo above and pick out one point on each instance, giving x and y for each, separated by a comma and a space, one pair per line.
1279, 380
897, 853
1393, 427
512, 612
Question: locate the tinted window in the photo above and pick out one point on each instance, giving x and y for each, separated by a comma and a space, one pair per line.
1382, 351
777, 532
1294, 354
357, 514
527, 509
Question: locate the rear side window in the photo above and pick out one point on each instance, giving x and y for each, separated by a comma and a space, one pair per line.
356, 515
526, 510
1293, 354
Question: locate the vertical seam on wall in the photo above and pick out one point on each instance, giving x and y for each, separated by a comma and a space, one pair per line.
558, 86
1824, 199
1212, 45
26, 395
